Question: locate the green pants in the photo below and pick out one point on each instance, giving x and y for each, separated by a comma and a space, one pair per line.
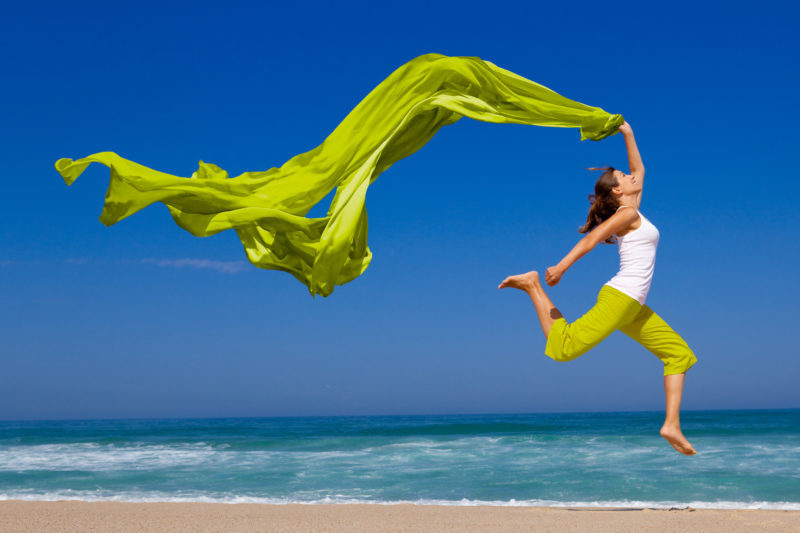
613, 311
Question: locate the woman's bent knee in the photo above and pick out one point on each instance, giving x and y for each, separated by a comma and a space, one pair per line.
563, 354
560, 346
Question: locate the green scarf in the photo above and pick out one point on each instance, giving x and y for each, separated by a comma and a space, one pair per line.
267, 208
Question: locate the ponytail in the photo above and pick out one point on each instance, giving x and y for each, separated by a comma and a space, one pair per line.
603, 202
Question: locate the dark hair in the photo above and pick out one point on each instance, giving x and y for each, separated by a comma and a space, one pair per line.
604, 203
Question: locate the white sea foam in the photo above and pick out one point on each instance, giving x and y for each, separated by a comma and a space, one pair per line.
408, 444
154, 497
448, 445
97, 457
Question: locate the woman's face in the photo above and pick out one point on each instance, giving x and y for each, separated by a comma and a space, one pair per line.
627, 183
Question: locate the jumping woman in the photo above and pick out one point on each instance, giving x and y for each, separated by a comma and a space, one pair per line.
620, 302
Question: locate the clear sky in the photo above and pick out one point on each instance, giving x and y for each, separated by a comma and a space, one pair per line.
142, 319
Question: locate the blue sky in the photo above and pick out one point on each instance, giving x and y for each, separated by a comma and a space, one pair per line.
142, 319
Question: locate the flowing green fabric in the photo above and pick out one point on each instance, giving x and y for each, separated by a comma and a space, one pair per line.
267, 208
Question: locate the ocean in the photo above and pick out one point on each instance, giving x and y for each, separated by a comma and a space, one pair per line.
746, 460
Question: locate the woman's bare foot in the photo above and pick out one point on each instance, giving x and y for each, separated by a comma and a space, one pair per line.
525, 282
674, 436
545, 310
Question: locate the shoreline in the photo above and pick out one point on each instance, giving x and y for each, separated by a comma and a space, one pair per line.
521, 504
74, 515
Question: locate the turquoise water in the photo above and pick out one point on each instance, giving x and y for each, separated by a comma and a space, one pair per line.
746, 459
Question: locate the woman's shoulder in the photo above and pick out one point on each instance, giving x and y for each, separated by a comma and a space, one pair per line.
635, 224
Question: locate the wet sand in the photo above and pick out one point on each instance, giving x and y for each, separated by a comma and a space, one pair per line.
69, 516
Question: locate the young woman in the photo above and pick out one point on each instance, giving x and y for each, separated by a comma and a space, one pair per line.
620, 302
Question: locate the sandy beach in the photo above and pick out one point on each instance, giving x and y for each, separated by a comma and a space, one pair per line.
68, 516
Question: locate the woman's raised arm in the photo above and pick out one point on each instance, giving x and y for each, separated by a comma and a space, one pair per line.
634, 158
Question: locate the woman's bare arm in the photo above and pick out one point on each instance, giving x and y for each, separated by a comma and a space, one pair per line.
634, 158
616, 222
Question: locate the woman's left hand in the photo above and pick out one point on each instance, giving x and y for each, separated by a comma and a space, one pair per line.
553, 275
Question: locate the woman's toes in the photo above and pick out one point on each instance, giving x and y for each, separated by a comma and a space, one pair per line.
521, 281
675, 437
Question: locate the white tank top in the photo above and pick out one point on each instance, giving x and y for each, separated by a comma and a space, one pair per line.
637, 260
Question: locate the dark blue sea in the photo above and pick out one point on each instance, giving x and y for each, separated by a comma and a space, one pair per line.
746, 460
